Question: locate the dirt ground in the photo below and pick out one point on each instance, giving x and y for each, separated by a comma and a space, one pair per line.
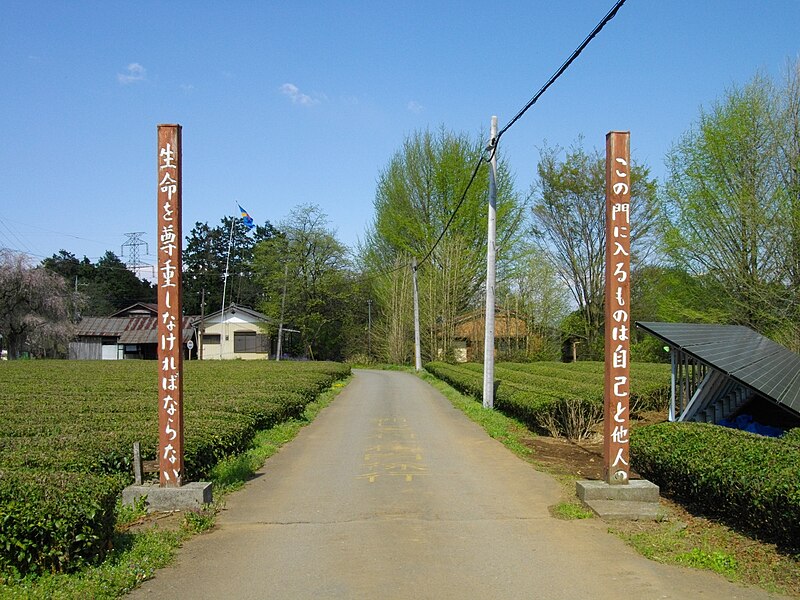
583, 459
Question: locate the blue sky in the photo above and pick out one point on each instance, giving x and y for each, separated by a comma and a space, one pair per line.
284, 103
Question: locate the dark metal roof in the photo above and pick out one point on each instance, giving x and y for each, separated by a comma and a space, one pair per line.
748, 357
101, 326
128, 330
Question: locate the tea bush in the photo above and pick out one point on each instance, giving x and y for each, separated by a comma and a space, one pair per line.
559, 398
67, 429
749, 481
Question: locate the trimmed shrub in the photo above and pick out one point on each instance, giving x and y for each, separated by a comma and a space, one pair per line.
55, 521
749, 481
67, 429
557, 398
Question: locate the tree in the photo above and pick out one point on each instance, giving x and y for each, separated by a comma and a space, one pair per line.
106, 287
729, 207
115, 287
535, 293
311, 265
416, 196
569, 226
35, 308
205, 259
786, 132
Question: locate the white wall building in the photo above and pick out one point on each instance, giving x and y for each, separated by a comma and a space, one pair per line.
238, 333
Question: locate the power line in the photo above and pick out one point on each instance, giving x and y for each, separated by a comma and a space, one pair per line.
492, 147
453, 216
610, 15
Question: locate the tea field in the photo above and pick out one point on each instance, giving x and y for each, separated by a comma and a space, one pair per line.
67, 429
560, 398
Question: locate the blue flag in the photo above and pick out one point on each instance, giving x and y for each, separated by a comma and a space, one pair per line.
246, 218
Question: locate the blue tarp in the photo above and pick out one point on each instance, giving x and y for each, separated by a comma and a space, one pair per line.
747, 423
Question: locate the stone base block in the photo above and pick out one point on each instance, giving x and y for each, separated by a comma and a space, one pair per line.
636, 500
162, 499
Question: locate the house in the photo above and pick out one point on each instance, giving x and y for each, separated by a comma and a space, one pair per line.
129, 333
238, 332
510, 333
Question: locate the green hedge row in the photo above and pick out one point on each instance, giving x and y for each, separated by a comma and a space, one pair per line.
55, 521
560, 398
750, 482
67, 429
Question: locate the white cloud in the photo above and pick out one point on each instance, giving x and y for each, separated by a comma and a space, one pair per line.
136, 73
296, 96
415, 107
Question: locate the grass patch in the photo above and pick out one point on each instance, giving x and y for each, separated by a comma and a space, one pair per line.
141, 549
135, 558
570, 511
508, 431
686, 540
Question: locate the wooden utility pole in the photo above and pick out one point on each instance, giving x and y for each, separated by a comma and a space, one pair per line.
417, 349
616, 428
491, 254
170, 306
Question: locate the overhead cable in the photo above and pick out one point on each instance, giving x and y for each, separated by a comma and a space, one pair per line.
492, 147
610, 15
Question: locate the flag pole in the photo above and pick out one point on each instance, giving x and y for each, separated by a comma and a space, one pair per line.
225, 289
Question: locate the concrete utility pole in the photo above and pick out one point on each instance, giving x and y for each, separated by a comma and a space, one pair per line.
417, 350
491, 254
369, 328
283, 307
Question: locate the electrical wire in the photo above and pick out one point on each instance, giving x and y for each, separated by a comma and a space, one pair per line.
576, 53
492, 147
453, 215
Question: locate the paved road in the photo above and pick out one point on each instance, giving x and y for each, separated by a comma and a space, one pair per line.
392, 493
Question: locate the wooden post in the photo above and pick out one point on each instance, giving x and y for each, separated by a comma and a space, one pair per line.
170, 307
491, 256
616, 426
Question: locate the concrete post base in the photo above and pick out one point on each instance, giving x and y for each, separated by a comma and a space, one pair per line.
636, 500
162, 499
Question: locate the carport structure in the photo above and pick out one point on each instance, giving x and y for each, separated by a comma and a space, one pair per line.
718, 369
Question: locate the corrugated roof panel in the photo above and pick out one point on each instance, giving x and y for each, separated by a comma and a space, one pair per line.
763, 365
129, 330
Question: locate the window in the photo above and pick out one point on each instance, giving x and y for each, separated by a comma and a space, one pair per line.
250, 341
211, 338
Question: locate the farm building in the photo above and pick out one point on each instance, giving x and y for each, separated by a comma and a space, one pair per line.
129, 333
511, 333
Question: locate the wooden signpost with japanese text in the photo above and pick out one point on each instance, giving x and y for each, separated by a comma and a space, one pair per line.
170, 308
616, 428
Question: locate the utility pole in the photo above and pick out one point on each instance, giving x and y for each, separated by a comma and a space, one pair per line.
369, 328
417, 350
283, 306
202, 323
491, 253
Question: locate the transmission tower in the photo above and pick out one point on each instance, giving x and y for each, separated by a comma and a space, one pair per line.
134, 243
